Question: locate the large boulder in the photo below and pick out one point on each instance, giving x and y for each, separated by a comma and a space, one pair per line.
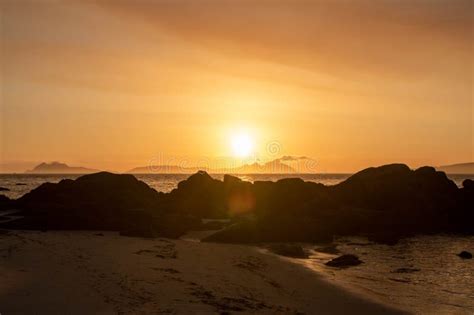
404, 200
97, 200
200, 195
205, 197
288, 197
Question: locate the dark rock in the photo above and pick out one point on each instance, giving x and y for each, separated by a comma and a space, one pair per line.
200, 195
20, 184
344, 261
465, 255
288, 250
4, 189
403, 201
138, 223
372, 202
95, 201
5, 202
468, 184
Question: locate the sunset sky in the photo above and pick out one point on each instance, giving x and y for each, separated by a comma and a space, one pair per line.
118, 84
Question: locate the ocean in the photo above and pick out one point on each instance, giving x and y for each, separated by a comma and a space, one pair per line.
422, 275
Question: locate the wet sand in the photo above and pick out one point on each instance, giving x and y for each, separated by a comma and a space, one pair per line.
84, 272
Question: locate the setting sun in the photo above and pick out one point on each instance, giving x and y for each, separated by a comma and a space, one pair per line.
242, 145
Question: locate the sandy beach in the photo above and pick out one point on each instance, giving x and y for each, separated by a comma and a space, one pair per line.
84, 272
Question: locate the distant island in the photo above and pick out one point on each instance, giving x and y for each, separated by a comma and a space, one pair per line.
275, 166
461, 168
59, 168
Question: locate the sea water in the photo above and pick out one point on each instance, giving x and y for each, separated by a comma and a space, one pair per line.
422, 275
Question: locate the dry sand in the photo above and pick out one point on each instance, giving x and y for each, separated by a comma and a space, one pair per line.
84, 272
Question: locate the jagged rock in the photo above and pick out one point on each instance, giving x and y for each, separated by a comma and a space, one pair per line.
376, 200
465, 255
344, 261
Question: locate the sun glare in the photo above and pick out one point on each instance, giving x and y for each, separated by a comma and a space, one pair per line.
242, 145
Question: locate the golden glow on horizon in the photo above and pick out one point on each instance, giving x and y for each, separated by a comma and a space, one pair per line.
114, 84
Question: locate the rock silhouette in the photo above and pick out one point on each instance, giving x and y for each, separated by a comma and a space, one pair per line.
344, 261
5, 202
390, 198
385, 203
465, 255
95, 201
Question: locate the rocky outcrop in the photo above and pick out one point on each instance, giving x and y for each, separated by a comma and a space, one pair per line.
403, 201
385, 203
200, 195
98, 200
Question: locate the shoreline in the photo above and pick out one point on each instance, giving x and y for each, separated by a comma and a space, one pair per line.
104, 273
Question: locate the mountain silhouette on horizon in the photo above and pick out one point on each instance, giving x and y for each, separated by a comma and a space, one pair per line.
59, 168
272, 167
459, 168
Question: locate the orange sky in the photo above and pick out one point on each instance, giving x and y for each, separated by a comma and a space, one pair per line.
116, 84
